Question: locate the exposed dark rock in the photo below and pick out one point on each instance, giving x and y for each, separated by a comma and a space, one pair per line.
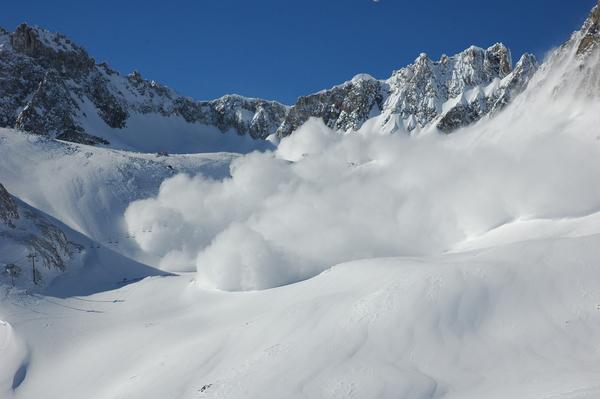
8, 208
81, 138
29, 229
591, 32
51, 244
51, 50
343, 107
50, 110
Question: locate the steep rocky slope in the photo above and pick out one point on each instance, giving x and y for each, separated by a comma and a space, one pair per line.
66, 262
51, 86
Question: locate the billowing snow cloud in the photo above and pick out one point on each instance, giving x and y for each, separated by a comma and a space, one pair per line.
324, 197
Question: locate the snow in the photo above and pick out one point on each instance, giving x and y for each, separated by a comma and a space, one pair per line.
4, 41
154, 132
54, 41
361, 76
372, 195
89, 188
532, 229
14, 359
363, 265
90, 267
518, 321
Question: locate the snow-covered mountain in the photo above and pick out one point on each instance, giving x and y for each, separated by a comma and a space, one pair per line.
446, 94
51, 86
365, 265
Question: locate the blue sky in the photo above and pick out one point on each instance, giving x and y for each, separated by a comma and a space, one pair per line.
283, 49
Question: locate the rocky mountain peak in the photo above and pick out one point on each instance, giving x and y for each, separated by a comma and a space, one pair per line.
574, 67
34, 41
499, 59
51, 86
590, 32
422, 59
420, 94
135, 76
526, 65
51, 49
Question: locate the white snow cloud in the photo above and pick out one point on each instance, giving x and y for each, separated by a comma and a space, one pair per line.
323, 198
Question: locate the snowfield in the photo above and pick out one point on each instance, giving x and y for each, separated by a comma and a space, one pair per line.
339, 265
518, 321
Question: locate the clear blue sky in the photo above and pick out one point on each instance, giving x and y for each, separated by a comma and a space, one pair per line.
283, 49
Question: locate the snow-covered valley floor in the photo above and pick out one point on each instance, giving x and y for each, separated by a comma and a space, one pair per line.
515, 321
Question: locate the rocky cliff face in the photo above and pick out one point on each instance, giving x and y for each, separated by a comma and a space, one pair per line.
51, 86
344, 107
588, 37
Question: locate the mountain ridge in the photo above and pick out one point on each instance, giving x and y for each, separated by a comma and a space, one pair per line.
54, 87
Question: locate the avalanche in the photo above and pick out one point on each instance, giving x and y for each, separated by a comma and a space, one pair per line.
339, 265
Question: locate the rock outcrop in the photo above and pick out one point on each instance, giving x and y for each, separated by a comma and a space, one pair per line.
25, 230
590, 32
8, 209
344, 107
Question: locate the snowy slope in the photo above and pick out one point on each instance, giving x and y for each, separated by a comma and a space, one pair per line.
88, 188
520, 321
66, 262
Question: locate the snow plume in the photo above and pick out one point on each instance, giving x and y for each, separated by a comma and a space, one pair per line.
323, 197
358, 196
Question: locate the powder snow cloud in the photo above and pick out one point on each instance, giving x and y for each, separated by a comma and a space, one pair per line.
323, 197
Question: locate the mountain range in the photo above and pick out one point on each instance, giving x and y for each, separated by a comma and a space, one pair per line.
53, 87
